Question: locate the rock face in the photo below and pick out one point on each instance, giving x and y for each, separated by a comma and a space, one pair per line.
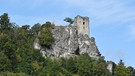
110, 66
87, 45
68, 43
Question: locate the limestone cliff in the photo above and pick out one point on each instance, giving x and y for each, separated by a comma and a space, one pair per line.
69, 43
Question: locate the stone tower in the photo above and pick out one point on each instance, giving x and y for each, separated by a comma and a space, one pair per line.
82, 24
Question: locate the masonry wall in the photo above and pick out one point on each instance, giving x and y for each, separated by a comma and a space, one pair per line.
82, 24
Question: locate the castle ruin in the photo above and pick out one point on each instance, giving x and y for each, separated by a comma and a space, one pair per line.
82, 24
71, 41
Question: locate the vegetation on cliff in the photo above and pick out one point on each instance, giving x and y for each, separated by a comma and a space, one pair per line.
19, 58
45, 35
69, 20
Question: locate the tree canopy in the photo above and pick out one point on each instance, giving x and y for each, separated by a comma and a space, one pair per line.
69, 20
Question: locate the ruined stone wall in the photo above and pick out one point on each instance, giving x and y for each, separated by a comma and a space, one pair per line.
82, 24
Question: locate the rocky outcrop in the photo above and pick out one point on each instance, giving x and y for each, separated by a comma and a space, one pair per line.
87, 45
110, 66
68, 43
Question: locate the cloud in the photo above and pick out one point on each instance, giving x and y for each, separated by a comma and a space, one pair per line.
105, 12
113, 14
101, 13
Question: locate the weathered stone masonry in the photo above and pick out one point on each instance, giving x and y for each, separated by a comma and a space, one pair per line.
82, 25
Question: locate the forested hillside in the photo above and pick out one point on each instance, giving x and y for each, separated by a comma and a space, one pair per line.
19, 58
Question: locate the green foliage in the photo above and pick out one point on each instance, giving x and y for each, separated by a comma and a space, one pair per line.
4, 22
121, 70
45, 37
12, 74
121, 62
25, 27
132, 71
36, 28
5, 63
69, 20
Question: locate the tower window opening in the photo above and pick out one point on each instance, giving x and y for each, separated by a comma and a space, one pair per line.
83, 23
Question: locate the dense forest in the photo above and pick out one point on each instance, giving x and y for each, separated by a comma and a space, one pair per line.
19, 58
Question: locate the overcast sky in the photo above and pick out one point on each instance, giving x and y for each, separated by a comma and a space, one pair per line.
112, 22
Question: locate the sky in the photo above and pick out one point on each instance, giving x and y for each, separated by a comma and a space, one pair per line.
112, 22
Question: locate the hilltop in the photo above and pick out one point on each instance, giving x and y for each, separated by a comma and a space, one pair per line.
49, 50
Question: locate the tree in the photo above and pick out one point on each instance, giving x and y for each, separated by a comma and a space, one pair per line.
132, 71
121, 70
5, 64
69, 20
48, 25
121, 62
36, 28
4, 21
46, 37
25, 27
